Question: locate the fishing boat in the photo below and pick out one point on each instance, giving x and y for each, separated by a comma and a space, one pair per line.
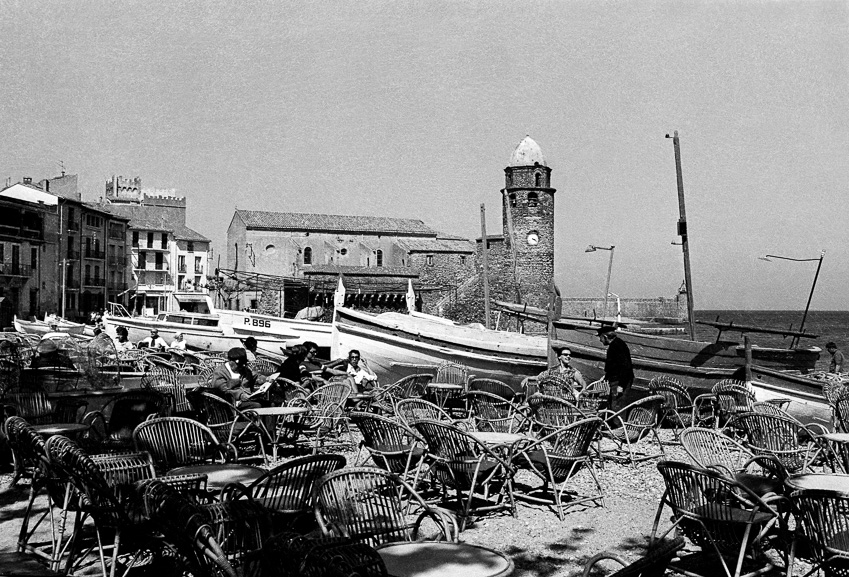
38, 327
257, 325
203, 332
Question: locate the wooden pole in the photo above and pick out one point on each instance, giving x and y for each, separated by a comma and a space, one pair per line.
484, 249
747, 344
682, 232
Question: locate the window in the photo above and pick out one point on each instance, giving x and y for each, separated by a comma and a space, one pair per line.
135, 238
150, 240
190, 246
198, 265
537, 180
158, 257
307, 255
97, 274
343, 252
87, 274
181, 263
33, 259
512, 197
379, 257
429, 260
142, 260
462, 259
164, 240
533, 200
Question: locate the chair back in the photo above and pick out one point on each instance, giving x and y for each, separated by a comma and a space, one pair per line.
554, 385
548, 413
822, 519
492, 412
176, 442
675, 395
451, 373
412, 410
780, 436
709, 448
131, 408
573, 441
840, 409
330, 394
733, 397
493, 387
289, 487
262, 366
34, 406
367, 505
27, 446
594, 396
167, 382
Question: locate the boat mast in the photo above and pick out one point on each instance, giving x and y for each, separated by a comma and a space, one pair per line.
484, 249
682, 232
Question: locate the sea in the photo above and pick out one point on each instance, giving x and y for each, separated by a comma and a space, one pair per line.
826, 325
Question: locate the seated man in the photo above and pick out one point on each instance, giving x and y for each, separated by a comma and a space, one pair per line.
356, 368
154, 341
122, 340
235, 382
49, 355
565, 371
179, 342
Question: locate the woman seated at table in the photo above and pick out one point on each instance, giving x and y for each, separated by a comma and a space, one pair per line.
356, 368
235, 382
565, 371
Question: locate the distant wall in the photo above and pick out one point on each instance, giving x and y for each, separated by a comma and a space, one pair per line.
670, 309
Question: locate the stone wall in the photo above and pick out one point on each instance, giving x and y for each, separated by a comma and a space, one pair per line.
661, 308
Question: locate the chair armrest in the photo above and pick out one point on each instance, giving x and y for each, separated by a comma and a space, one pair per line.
588, 567
234, 491
450, 530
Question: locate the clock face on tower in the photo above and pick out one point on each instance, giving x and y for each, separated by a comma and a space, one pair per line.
533, 238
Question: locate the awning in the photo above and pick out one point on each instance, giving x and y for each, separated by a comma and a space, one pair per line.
186, 298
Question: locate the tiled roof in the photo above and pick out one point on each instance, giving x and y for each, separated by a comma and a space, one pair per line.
103, 210
330, 222
185, 233
332, 269
436, 245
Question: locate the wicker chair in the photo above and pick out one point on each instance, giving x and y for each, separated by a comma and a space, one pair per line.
168, 383
631, 424
594, 397
177, 442
547, 413
679, 410
730, 523
286, 490
652, 564
125, 412
373, 506
391, 445
326, 423
293, 555
731, 398
27, 448
467, 465
231, 426
451, 373
822, 526
409, 387
556, 459
411, 410
38, 409
493, 387
260, 366
782, 437
492, 412
554, 385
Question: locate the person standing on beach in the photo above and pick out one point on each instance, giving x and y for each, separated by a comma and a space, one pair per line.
618, 369
838, 361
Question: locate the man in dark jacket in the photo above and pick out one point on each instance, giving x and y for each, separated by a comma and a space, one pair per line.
618, 370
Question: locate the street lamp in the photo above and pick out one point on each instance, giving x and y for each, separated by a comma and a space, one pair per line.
768, 258
593, 248
618, 307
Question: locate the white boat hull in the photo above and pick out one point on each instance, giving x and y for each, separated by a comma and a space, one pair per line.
256, 325
41, 327
196, 337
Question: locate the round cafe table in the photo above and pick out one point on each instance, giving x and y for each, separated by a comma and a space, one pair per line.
829, 482
60, 429
443, 391
496, 438
220, 474
431, 559
838, 445
275, 412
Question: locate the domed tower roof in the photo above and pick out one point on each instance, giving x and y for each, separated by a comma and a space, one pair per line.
527, 153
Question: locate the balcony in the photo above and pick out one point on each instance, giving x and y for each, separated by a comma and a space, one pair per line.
152, 267
93, 282
72, 284
95, 254
15, 269
142, 245
74, 226
151, 278
73, 255
117, 261
20, 232
117, 286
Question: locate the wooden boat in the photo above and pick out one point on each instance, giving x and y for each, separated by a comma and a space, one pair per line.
258, 325
41, 327
201, 331
397, 345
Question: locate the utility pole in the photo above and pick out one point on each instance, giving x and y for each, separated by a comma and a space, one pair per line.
682, 232
484, 250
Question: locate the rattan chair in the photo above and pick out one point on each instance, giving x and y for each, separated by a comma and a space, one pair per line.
450, 373
262, 366
630, 425
652, 564
492, 412
730, 398
242, 429
392, 445
373, 506
547, 413
594, 397
111, 429
168, 383
493, 387
37, 408
554, 385
822, 527
556, 459
409, 387
286, 490
679, 410
782, 437
730, 523
468, 466
411, 410
325, 425
178, 442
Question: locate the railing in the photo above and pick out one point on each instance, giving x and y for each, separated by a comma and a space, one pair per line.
20, 231
117, 261
152, 267
72, 284
95, 254
93, 282
73, 254
142, 245
13, 269
73, 225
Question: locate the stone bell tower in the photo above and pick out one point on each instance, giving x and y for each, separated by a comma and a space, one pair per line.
528, 217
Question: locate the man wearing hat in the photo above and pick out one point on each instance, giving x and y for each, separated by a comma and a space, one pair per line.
235, 381
618, 370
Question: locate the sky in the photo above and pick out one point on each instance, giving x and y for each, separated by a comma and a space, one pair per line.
412, 109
